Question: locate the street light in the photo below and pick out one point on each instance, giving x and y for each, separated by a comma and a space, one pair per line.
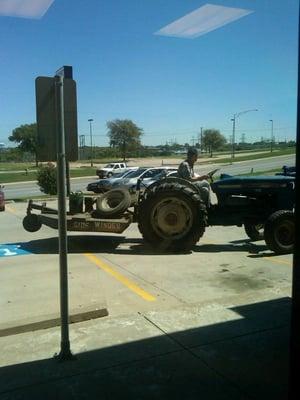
91, 136
235, 116
272, 137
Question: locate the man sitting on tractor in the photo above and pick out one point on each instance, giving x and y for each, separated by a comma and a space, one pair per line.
186, 171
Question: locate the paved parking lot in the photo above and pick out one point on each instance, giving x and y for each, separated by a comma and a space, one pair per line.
125, 275
214, 321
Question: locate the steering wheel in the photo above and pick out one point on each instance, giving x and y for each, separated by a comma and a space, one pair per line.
211, 174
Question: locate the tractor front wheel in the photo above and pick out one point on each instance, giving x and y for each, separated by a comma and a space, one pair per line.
280, 232
254, 231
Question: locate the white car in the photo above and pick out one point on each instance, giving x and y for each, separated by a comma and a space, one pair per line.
111, 169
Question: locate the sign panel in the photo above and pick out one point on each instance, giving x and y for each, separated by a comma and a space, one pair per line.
47, 123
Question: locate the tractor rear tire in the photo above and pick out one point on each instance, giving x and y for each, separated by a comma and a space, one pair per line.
254, 231
172, 217
280, 232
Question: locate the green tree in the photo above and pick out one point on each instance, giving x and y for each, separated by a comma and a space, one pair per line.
47, 178
213, 140
124, 135
26, 136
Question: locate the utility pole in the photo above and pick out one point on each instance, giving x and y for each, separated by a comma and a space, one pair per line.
233, 136
272, 137
235, 116
81, 146
91, 137
201, 139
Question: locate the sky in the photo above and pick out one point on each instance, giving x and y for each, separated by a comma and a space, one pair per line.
135, 60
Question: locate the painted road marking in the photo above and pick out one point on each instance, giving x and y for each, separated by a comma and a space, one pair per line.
9, 250
278, 260
121, 278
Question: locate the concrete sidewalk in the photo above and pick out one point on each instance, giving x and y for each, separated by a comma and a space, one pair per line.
215, 351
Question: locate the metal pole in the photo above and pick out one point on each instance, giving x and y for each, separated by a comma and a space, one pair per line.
124, 150
233, 128
201, 139
65, 352
233, 136
68, 178
82, 147
91, 136
271, 135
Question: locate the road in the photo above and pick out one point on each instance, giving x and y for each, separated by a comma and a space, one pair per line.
263, 164
23, 189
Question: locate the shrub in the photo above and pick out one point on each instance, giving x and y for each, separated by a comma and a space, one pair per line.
47, 178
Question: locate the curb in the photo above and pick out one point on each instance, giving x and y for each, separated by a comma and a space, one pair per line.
50, 321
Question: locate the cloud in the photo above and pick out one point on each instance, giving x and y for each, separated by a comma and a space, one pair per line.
203, 20
24, 8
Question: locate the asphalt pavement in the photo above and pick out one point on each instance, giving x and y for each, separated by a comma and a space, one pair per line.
212, 324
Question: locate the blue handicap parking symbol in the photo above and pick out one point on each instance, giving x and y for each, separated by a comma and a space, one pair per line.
9, 250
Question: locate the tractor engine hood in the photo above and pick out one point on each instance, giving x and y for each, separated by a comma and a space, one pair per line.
247, 184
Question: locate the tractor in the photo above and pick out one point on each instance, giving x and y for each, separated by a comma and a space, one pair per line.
172, 215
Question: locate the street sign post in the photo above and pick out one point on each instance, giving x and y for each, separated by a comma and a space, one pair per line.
57, 141
65, 351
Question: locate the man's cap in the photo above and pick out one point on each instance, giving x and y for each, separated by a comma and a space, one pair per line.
192, 151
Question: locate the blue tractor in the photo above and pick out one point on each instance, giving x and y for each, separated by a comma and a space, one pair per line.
171, 214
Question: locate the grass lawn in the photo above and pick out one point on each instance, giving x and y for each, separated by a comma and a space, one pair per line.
10, 177
251, 156
83, 171
11, 166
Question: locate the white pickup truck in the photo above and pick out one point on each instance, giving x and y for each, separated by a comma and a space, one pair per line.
110, 169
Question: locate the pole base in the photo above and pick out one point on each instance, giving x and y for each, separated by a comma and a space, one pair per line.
64, 355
